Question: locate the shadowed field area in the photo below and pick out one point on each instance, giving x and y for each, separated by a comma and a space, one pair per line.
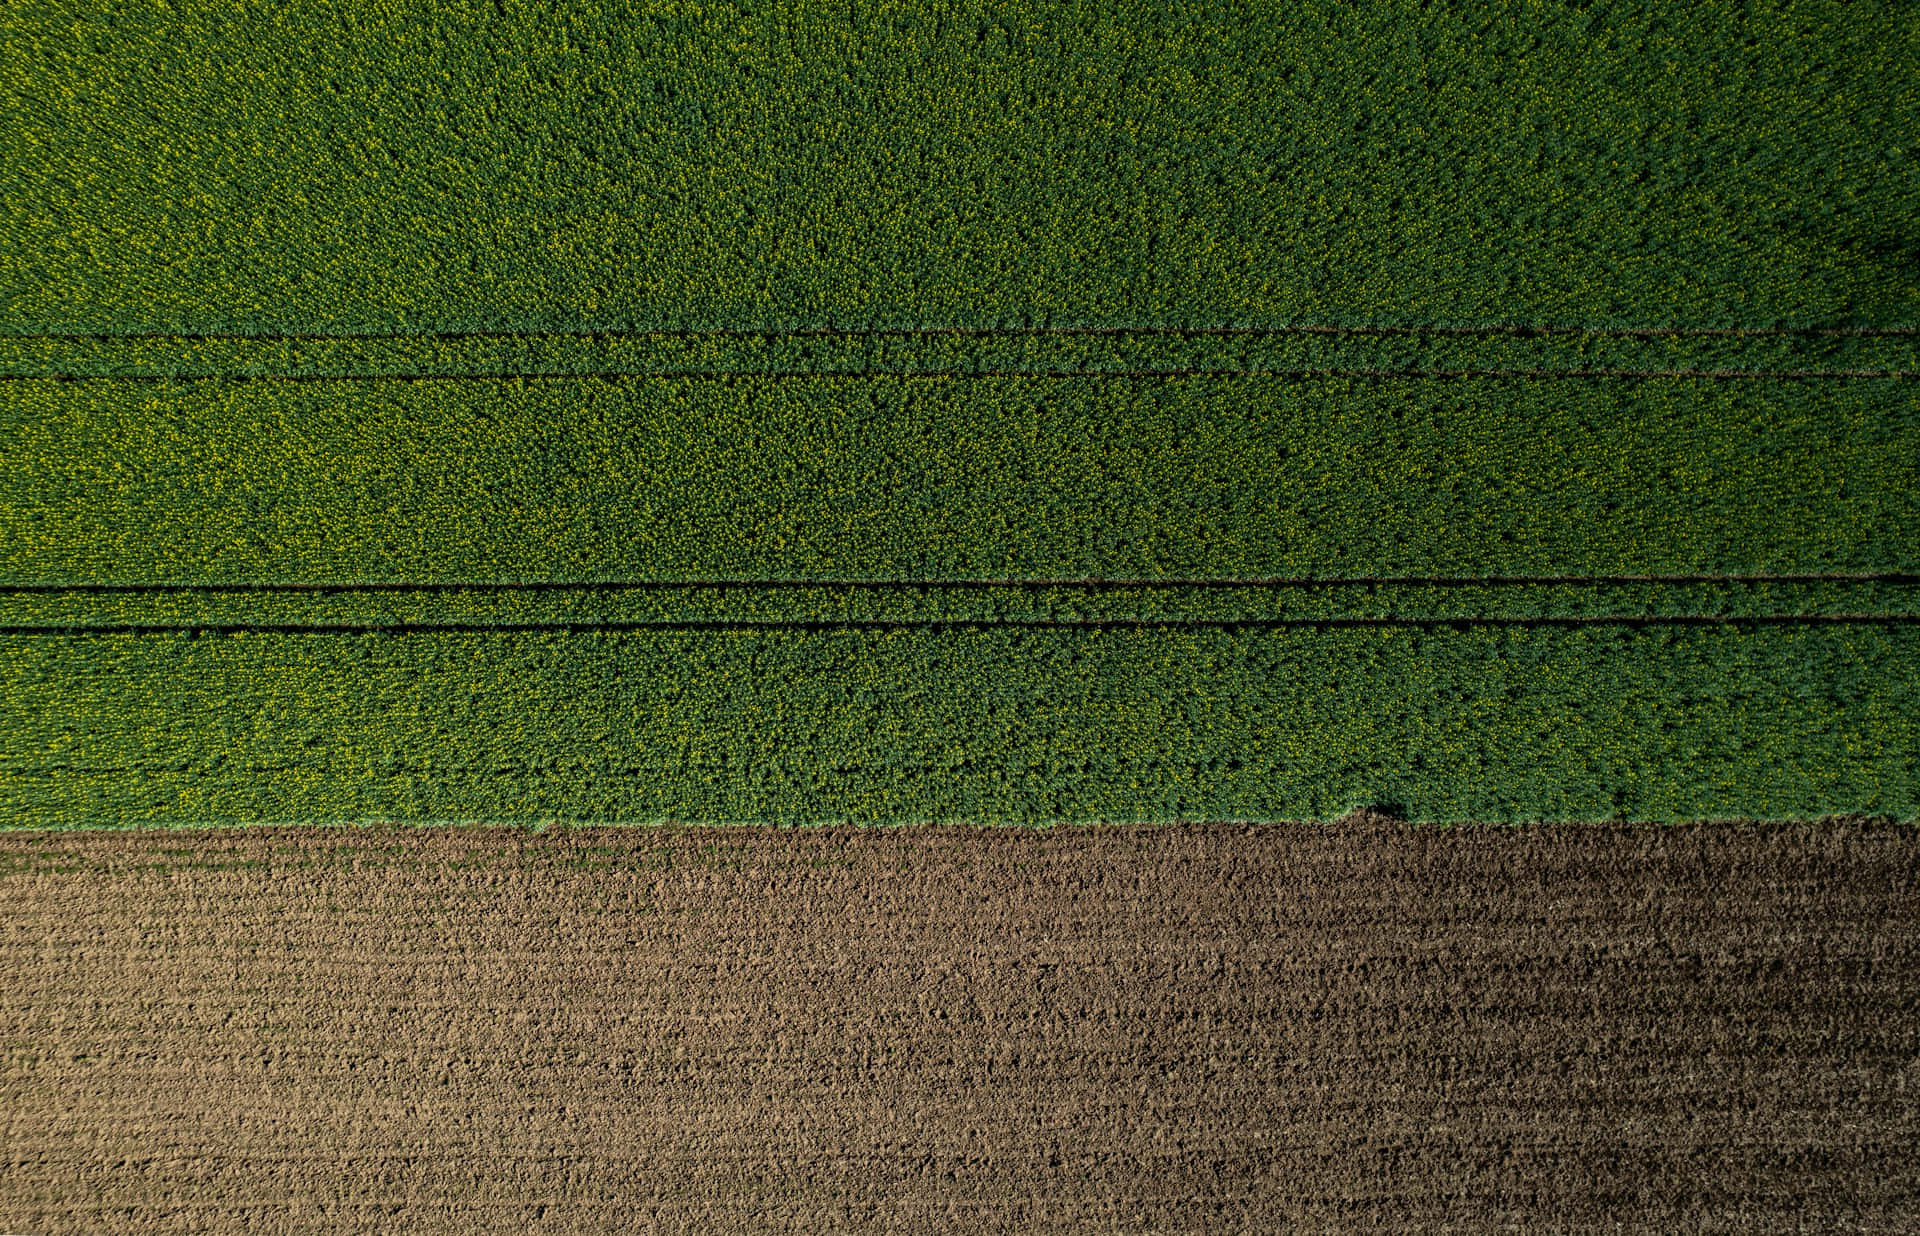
1192, 1029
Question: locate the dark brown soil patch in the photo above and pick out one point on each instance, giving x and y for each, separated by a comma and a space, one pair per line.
931, 1030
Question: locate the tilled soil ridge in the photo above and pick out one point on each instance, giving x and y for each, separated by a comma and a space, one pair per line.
1206, 1028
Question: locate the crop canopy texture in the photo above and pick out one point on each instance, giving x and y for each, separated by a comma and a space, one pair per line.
927, 411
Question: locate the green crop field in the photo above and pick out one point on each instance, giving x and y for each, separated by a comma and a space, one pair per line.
408, 166
1014, 413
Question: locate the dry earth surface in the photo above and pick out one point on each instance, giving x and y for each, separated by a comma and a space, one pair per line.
1218, 1028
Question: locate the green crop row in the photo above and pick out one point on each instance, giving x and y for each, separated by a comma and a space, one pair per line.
403, 165
821, 478
1032, 352
882, 603
987, 725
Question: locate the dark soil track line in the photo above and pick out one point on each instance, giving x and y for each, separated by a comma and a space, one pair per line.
952, 624
1088, 583
990, 332
1203, 1028
607, 375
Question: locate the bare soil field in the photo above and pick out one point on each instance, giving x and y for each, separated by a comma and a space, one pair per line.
1206, 1028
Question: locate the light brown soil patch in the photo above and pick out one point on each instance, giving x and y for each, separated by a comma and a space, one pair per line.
935, 1030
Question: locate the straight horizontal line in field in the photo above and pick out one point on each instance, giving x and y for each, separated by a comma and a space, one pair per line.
948, 624
617, 374
1087, 582
984, 332
950, 355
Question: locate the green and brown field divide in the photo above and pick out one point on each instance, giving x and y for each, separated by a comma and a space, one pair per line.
959, 615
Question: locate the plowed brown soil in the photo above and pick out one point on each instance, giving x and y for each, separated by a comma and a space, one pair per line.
1181, 1030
